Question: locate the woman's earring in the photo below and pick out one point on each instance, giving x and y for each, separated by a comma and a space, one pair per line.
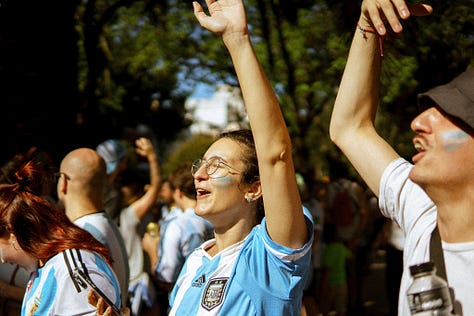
248, 197
13, 245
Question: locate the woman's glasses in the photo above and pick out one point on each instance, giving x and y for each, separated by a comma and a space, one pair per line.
215, 167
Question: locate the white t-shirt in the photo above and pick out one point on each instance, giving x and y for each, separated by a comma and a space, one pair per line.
132, 240
406, 203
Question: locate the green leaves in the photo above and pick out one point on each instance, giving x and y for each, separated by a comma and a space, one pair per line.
155, 50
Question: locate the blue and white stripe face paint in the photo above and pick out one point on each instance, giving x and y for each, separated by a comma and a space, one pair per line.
454, 139
219, 182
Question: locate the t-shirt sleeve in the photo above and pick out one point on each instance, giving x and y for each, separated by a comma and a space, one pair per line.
401, 199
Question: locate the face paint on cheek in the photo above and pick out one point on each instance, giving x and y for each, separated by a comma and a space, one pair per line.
453, 140
222, 181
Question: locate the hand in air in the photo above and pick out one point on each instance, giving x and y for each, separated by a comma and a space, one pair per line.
225, 17
144, 146
375, 13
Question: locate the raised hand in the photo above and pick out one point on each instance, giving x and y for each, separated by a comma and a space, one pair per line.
226, 17
144, 147
375, 13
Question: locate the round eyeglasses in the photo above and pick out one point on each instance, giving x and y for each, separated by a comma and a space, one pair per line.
215, 167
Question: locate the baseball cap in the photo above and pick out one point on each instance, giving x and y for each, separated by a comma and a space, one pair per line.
455, 98
112, 151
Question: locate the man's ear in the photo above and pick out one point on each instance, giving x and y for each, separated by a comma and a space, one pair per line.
62, 185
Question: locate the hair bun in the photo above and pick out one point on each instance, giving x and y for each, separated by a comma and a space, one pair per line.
21, 179
28, 177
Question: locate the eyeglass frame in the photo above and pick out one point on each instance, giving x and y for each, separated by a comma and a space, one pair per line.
198, 163
57, 175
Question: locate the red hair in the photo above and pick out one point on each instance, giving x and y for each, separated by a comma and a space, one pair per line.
41, 229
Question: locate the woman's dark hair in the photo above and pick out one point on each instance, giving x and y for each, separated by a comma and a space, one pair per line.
249, 156
40, 158
183, 180
41, 229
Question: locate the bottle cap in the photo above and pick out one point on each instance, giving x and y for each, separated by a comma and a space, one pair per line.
421, 268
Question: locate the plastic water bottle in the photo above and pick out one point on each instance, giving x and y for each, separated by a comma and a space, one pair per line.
428, 294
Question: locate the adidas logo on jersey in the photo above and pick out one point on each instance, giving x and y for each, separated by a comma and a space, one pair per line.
199, 281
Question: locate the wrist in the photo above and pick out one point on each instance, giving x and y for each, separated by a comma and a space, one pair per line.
364, 30
365, 23
236, 40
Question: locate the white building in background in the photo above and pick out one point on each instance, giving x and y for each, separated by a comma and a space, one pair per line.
222, 111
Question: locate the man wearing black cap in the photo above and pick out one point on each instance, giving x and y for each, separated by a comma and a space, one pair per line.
437, 190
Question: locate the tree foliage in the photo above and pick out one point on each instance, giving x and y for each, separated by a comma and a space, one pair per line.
139, 52
138, 60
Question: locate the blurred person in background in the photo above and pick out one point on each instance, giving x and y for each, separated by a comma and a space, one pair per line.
80, 187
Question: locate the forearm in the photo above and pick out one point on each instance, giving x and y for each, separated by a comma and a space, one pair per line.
144, 203
11, 292
153, 261
273, 146
357, 98
352, 123
150, 246
155, 173
261, 104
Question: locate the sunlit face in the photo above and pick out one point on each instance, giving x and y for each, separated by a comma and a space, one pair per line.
445, 151
222, 194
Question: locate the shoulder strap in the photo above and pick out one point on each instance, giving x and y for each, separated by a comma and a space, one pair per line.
436, 255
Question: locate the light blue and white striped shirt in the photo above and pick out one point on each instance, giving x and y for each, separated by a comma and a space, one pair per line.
253, 277
52, 291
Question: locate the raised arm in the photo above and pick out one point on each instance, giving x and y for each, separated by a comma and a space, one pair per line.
145, 202
352, 123
280, 193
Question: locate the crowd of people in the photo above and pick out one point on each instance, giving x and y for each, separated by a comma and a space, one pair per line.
239, 231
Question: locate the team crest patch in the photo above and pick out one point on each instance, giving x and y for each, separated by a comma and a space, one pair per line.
214, 293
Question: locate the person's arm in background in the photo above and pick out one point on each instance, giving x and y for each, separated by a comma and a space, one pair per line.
141, 206
150, 245
352, 123
11, 292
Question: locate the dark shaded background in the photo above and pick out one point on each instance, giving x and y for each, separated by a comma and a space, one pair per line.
38, 74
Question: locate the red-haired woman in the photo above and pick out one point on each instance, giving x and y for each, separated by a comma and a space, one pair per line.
61, 257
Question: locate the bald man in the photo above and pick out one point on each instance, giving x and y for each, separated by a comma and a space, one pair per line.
80, 189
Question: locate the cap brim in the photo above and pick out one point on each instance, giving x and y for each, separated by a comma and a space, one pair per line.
451, 99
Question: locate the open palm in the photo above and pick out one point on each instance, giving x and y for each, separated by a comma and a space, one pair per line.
226, 16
